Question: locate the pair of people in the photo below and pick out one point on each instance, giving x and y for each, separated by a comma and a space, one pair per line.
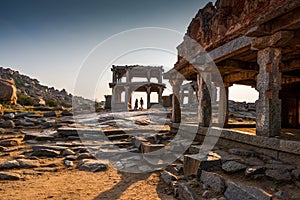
136, 104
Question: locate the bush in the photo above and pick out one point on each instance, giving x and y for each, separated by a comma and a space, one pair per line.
51, 103
25, 100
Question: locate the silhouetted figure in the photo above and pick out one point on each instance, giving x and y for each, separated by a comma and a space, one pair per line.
136, 104
142, 103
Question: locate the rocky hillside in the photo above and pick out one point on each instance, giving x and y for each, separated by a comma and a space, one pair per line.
31, 92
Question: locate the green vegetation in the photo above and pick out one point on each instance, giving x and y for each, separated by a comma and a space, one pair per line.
51, 103
25, 100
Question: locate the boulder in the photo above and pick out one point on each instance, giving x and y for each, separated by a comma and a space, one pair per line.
237, 191
279, 174
167, 177
7, 124
68, 152
9, 116
9, 142
50, 114
185, 192
93, 165
10, 176
46, 153
66, 113
26, 163
250, 171
296, 174
9, 164
1, 110
68, 163
213, 180
8, 91
233, 166
2, 131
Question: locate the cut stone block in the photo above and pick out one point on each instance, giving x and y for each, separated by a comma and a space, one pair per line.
147, 148
193, 163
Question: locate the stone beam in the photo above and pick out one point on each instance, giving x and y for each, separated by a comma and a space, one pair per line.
279, 39
290, 65
231, 48
240, 76
289, 80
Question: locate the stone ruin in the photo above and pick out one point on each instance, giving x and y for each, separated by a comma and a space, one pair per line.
129, 85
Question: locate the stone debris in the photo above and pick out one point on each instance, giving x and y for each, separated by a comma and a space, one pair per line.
68, 163
92, 165
236, 191
167, 177
10, 176
213, 181
10, 164
279, 174
9, 143
46, 153
185, 192
233, 166
26, 163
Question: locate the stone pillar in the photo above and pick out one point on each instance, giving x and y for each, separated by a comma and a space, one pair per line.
128, 75
127, 96
176, 110
160, 76
223, 113
148, 75
160, 91
268, 106
204, 106
191, 94
148, 97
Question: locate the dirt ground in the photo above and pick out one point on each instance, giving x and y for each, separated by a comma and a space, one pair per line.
74, 184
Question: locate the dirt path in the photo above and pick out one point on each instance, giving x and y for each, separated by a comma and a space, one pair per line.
74, 184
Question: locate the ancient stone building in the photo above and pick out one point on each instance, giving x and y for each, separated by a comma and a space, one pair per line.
252, 42
129, 79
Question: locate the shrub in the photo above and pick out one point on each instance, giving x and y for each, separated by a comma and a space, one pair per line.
25, 100
51, 103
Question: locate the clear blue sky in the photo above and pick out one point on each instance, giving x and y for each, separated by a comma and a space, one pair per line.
49, 39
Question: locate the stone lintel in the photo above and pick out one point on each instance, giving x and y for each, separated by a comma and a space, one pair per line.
278, 39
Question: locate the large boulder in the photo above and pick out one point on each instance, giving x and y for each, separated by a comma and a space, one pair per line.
8, 91
1, 110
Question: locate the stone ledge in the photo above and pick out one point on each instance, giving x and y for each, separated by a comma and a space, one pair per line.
280, 145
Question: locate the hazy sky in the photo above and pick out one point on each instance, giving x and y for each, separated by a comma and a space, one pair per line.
52, 40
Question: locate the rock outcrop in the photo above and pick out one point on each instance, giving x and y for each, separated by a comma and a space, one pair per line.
8, 91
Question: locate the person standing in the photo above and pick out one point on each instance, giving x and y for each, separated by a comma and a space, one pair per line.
136, 104
141, 103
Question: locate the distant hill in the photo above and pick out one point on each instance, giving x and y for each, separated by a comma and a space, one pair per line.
31, 92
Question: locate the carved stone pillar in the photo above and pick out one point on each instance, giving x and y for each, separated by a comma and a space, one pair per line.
159, 93
128, 75
176, 110
268, 106
148, 75
223, 113
204, 106
191, 94
148, 96
127, 96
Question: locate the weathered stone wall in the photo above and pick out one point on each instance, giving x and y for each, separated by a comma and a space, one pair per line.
226, 17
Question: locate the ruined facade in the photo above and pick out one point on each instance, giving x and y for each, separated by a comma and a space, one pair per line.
123, 81
254, 43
